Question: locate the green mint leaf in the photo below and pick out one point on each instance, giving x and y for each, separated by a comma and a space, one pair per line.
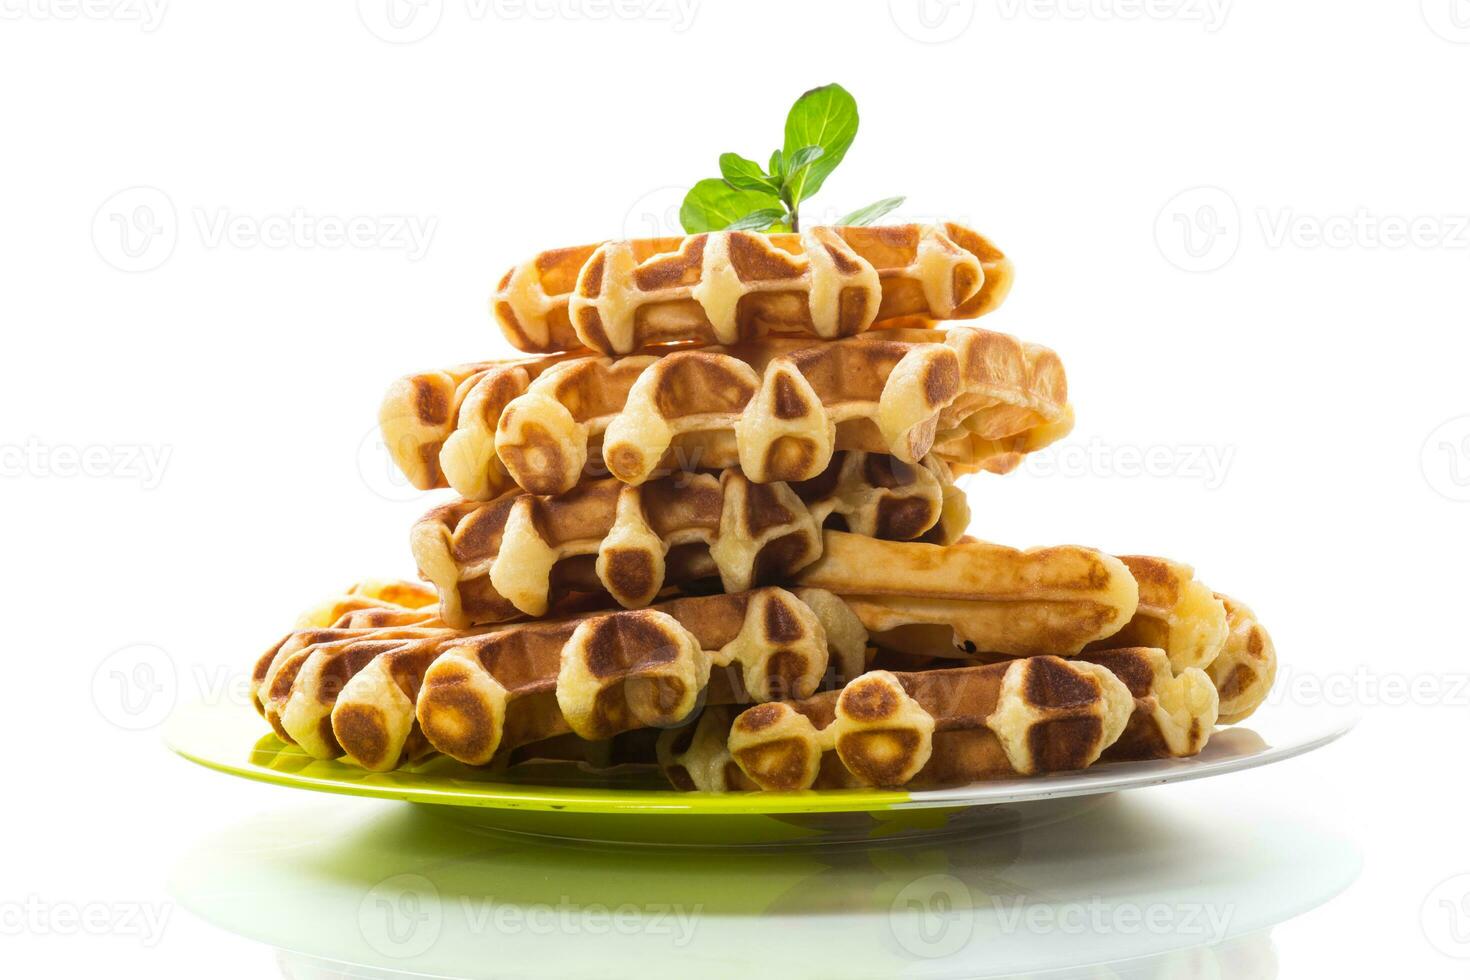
803, 158
825, 117
777, 168
761, 220
746, 175
712, 204
871, 213
793, 186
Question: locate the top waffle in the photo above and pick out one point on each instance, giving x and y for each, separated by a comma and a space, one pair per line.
730, 286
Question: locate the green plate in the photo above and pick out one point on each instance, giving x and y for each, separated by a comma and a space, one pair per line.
634, 804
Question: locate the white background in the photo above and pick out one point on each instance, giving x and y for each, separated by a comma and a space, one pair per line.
1275, 322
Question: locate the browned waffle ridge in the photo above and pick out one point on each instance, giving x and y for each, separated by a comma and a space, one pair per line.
379, 697
511, 557
728, 287
778, 408
952, 726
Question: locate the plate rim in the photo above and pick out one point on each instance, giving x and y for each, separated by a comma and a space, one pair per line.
1106, 778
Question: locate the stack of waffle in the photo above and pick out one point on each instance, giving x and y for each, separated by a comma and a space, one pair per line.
710, 523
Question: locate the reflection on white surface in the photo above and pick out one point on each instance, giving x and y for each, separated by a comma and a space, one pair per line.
1152, 884
1246, 958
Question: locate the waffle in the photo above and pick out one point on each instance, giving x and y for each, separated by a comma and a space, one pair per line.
379, 697
777, 408
403, 601
496, 561
976, 596
1176, 613
950, 727
1173, 714
636, 747
421, 412
727, 287
1246, 667
940, 727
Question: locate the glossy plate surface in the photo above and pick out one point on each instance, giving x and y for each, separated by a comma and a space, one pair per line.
233, 739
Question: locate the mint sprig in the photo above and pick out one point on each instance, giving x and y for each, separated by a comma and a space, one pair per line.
819, 129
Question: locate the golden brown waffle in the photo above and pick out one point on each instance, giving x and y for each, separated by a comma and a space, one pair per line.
1172, 717
409, 600
939, 727
497, 561
1246, 667
1175, 613
422, 411
637, 747
378, 697
951, 726
1173, 714
970, 595
976, 596
777, 408
731, 286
